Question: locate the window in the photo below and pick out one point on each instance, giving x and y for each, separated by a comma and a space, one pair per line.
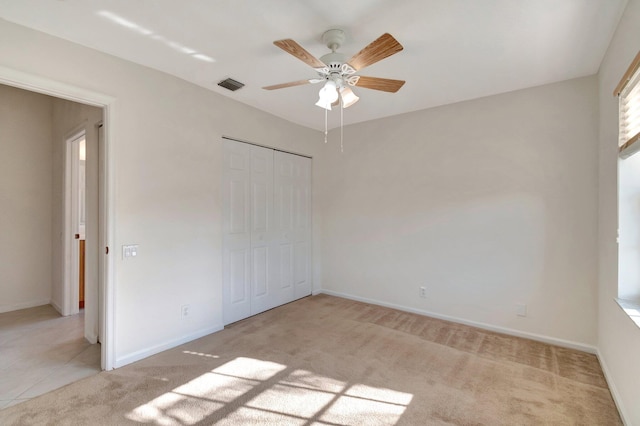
628, 91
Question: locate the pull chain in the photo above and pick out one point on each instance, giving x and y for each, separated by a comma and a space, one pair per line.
341, 126
325, 125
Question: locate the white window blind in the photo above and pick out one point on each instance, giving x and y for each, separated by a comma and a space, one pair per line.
629, 110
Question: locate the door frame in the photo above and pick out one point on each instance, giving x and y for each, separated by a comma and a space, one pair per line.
106, 280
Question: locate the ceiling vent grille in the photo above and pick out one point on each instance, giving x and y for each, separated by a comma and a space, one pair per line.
231, 84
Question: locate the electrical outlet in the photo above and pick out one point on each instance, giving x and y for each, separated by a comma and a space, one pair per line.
185, 311
423, 292
521, 310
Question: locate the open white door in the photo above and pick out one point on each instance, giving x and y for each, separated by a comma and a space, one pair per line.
81, 229
90, 224
74, 215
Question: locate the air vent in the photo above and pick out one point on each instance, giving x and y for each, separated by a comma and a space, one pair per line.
231, 84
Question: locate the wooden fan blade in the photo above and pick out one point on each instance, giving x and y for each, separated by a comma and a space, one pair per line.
290, 84
384, 84
299, 52
383, 47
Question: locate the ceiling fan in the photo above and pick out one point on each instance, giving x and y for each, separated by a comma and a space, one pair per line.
338, 73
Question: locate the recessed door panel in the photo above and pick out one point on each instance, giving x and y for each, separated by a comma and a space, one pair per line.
300, 263
260, 207
286, 207
259, 159
303, 208
238, 262
301, 273
259, 271
237, 191
285, 167
237, 161
286, 266
297, 206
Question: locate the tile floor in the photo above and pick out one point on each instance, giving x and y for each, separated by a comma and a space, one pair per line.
41, 351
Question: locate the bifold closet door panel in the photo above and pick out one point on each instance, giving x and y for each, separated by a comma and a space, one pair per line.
264, 235
236, 231
292, 194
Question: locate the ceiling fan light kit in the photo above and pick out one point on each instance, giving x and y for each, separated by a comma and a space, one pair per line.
338, 74
328, 95
348, 97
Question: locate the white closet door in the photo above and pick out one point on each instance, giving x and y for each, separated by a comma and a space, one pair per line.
263, 235
266, 229
293, 213
236, 232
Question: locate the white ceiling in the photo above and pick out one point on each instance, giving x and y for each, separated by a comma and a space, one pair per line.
454, 50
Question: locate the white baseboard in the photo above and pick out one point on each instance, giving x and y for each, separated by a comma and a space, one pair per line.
533, 336
56, 307
144, 353
612, 388
24, 305
91, 338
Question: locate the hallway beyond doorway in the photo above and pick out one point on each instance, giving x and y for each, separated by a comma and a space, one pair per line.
42, 351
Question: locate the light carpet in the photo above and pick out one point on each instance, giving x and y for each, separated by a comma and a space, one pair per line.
325, 360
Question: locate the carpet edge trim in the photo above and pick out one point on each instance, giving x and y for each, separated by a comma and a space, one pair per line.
510, 331
147, 352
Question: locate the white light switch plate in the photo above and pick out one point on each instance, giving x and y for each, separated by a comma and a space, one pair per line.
130, 250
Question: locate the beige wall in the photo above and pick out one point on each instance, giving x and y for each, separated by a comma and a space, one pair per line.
618, 336
487, 203
25, 199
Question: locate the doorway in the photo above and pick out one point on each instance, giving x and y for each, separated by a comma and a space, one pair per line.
105, 178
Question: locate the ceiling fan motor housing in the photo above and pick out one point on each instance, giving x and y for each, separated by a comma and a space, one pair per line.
337, 70
333, 38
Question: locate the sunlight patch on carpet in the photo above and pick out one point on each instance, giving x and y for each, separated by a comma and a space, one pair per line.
200, 354
257, 391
